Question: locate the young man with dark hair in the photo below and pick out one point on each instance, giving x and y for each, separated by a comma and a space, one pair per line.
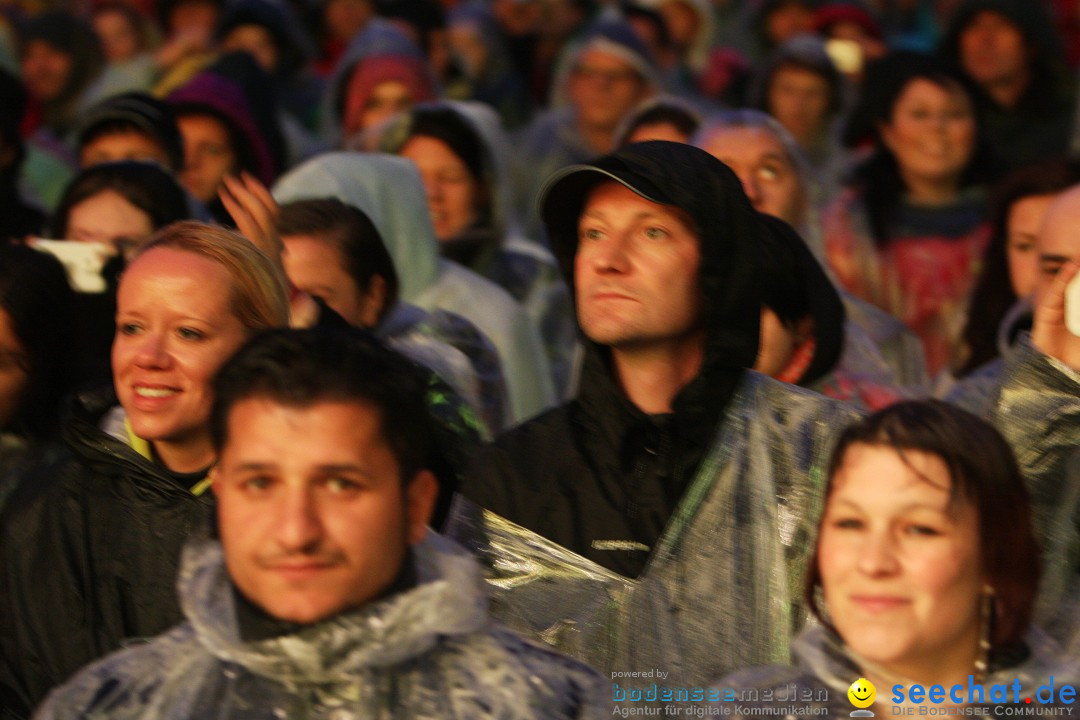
131, 126
334, 253
325, 594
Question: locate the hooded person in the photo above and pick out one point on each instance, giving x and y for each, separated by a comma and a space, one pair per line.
60, 58
690, 23
665, 517
631, 503
600, 78
462, 152
381, 73
482, 69
271, 32
1012, 54
807, 339
228, 117
390, 192
801, 87
130, 126
333, 252
284, 48
776, 179
18, 218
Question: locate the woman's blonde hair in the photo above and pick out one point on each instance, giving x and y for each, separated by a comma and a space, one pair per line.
259, 296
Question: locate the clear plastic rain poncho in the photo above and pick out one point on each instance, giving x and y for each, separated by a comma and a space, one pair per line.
824, 669
723, 587
428, 652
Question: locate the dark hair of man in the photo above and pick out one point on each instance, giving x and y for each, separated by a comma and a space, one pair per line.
352, 233
147, 186
35, 294
114, 127
983, 471
300, 368
993, 295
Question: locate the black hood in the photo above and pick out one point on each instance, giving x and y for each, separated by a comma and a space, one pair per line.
729, 229
821, 298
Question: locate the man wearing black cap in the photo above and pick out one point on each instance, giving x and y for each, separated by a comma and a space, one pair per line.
131, 126
672, 457
662, 521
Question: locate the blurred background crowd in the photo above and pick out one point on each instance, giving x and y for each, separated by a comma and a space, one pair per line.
387, 155
913, 144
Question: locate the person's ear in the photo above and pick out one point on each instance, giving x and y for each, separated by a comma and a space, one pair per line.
420, 494
374, 299
212, 478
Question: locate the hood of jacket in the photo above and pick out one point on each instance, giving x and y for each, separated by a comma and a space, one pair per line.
729, 230
237, 91
610, 34
783, 248
380, 38
86, 434
390, 192
277, 18
449, 599
486, 128
1035, 22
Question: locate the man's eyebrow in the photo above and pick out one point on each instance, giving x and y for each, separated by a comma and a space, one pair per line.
677, 212
1049, 258
778, 156
322, 469
255, 465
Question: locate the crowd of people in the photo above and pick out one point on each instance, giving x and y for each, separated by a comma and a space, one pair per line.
452, 358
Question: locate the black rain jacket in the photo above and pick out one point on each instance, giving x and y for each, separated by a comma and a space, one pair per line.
597, 475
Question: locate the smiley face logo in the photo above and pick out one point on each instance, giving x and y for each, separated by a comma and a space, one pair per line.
862, 693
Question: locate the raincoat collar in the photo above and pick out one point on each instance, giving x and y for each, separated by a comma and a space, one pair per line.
448, 600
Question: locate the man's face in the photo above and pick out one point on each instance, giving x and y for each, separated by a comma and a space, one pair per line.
316, 266
993, 50
1059, 241
314, 519
603, 88
636, 271
769, 179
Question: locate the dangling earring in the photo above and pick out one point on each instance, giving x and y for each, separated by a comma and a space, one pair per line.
986, 628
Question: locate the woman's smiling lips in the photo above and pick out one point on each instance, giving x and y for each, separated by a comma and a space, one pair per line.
879, 603
151, 396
